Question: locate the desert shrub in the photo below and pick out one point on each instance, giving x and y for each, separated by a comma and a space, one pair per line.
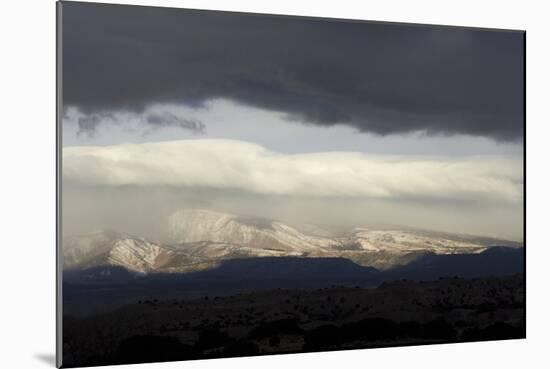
409, 329
275, 327
439, 329
497, 331
371, 329
322, 337
274, 341
211, 337
240, 348
138, 349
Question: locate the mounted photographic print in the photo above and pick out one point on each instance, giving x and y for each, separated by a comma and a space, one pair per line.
234, 184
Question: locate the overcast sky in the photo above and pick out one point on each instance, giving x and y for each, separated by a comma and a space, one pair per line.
305, 120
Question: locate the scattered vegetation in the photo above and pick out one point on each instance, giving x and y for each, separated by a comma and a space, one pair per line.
278, 321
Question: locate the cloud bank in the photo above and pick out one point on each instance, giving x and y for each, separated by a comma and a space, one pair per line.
237, 165
376, 77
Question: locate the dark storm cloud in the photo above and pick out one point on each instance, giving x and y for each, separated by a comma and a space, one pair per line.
380, 78
168, 119
88, 123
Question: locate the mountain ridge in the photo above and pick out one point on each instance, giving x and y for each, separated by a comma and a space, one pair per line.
106, 287
200, 239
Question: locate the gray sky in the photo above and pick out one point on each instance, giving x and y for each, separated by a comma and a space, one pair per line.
339, 123
222, 118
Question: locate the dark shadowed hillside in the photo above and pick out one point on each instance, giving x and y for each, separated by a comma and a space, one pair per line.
103, 288
493, 261
294, 320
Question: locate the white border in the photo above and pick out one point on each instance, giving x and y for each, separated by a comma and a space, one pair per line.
27, 316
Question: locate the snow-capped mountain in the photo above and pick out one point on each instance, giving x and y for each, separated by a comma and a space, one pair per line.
121, 249
201, 238
187, 226
411, 241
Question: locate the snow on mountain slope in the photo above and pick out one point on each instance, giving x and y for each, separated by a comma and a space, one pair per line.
409, 241
118, 249
201, 238
208, 249
194, 225
139, 255
84, 249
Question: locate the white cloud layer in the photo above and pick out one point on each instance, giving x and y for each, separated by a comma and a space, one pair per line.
229, 164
